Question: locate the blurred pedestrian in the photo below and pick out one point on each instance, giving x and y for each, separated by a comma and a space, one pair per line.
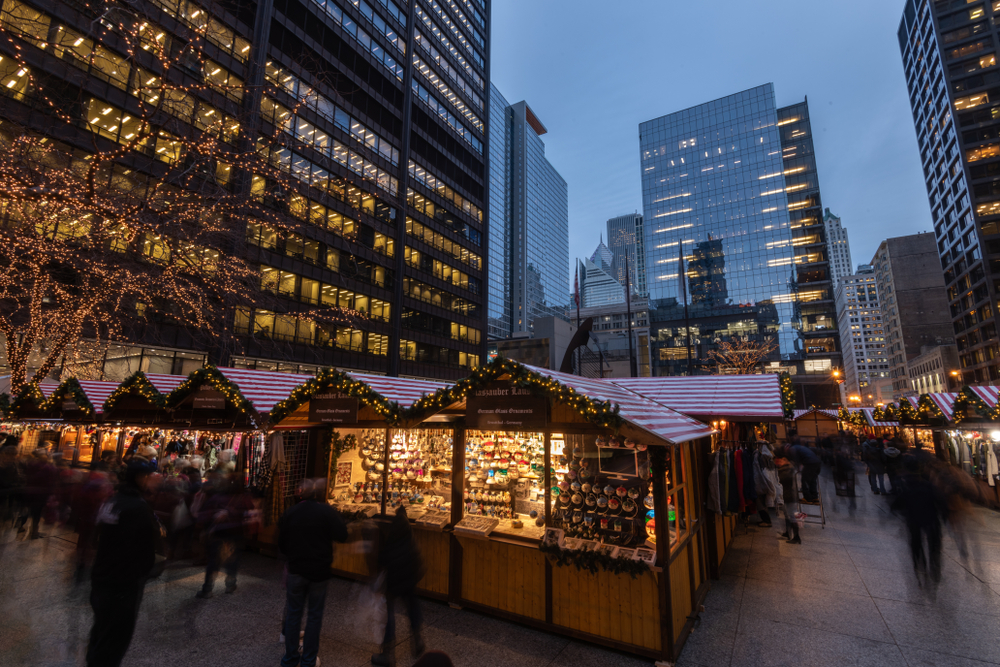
922, 507
126, 553
306, 534
874, 458
224, 514
10, 486
87, 501
39, 484
400, 562
809, 463
786, 476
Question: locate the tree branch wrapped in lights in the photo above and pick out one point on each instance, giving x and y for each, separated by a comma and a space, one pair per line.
144, 221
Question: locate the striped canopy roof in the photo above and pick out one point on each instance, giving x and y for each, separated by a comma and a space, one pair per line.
165, 383
869, 414
97, 392
264, 388
404, 391
657, 419
989, 395
752, 396
802, 413
945, 403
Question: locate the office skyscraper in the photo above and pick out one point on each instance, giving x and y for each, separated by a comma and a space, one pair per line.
862, 335
598, 285
529, 223
376, 111
626, 242
838, 248
733, 183
949, 58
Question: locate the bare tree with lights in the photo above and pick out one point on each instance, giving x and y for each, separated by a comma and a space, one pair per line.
741, 356
148, 224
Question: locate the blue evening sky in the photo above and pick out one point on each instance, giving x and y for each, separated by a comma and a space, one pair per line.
593, 70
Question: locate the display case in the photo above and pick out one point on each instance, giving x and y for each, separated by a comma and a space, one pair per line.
505, 480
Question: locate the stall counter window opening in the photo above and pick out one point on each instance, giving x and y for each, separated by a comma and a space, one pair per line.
373, 463
744, 409
503, 566
29, 417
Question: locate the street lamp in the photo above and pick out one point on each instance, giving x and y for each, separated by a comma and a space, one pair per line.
955, 376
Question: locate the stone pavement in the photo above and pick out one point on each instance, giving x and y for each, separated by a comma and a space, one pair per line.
848, 596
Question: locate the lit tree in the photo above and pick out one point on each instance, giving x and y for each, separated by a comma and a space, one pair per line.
148, 223
742, 355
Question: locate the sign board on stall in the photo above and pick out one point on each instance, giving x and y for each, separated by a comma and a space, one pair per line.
69, 406
505, 407
333, 409
209, 399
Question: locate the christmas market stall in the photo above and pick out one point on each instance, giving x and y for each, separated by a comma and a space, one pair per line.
576, 506
870, 421
815, 424
372, 463
28, 418
80, 406
745, 409
973, 441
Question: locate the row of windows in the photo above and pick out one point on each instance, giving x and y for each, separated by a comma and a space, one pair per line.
214, 30
439, 326
476, 35
394, 11
349, 26
291, 329
439, 187
422, 204
111, 122
442, 271
446, 43
432, 354
456, 101
446, 67
422, 292
475, 13
440, 241
447, 116
316, 293
325, 108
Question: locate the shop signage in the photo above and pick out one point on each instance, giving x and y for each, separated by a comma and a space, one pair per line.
69, 406
209, 399
504, 407
333, 409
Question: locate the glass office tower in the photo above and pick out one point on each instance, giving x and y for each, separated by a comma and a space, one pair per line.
528, 221
949, 56
732, 186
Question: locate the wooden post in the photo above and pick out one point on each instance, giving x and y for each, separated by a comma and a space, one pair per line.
455, 553
658, 461
547, 478
385, 471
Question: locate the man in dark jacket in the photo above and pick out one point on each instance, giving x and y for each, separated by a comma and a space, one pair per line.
126, 553
872, 455
306, 534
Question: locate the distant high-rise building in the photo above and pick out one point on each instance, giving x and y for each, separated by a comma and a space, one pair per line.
529, 223
862, 335
949, 58
733, 184
598, 286
626, 242
914, 303
838, 248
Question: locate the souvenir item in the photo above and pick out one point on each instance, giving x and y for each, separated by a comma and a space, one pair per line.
575, 486
602, 502
600, 441
633, 492
630, 443
577, 499
604, 522
613, 504
577, 516
648, 501
609, 490
621, 491
585, 487
618, 525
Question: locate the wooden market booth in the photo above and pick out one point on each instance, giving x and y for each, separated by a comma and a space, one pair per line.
535, 537
29, 418
815, 424
743, 408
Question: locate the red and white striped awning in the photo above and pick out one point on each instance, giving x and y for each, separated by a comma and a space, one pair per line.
657, 419
990, 395
164, 383
734, 396
945, 403
47, 388
404, 391
869, 414
264, 388
97, 391
798, 414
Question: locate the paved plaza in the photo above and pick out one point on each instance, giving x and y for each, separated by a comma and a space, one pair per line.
846, 596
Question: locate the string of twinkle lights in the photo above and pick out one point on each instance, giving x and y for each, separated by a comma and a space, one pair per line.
136, 384
29, 396
856, 417
600, 413
787, 395
332, 380
929, 410
966, 399
209, 375
139, 229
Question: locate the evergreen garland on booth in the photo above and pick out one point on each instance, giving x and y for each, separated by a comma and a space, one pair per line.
330, 379
857, 418
137, 383
601, 413
210, 375
787, 395
592, 561
968, 398
30, 393
928, 409
69, 390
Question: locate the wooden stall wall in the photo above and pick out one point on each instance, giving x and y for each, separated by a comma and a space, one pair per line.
503, 576
435, 549
610, 606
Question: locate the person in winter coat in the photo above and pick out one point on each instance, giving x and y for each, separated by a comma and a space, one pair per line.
306, 534
786, 476
871, 454
224, 515
126, 552
40, 478
399, 560
922, 506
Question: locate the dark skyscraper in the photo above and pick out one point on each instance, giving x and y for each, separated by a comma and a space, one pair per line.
949, 52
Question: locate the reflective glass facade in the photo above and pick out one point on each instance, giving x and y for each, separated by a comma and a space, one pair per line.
498, 290
626, 241
733, 183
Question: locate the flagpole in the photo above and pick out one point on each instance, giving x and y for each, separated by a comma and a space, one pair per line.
576, 298
628, 307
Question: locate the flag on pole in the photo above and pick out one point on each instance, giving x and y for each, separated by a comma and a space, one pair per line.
576, 287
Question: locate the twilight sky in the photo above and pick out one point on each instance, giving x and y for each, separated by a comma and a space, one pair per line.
593, 70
